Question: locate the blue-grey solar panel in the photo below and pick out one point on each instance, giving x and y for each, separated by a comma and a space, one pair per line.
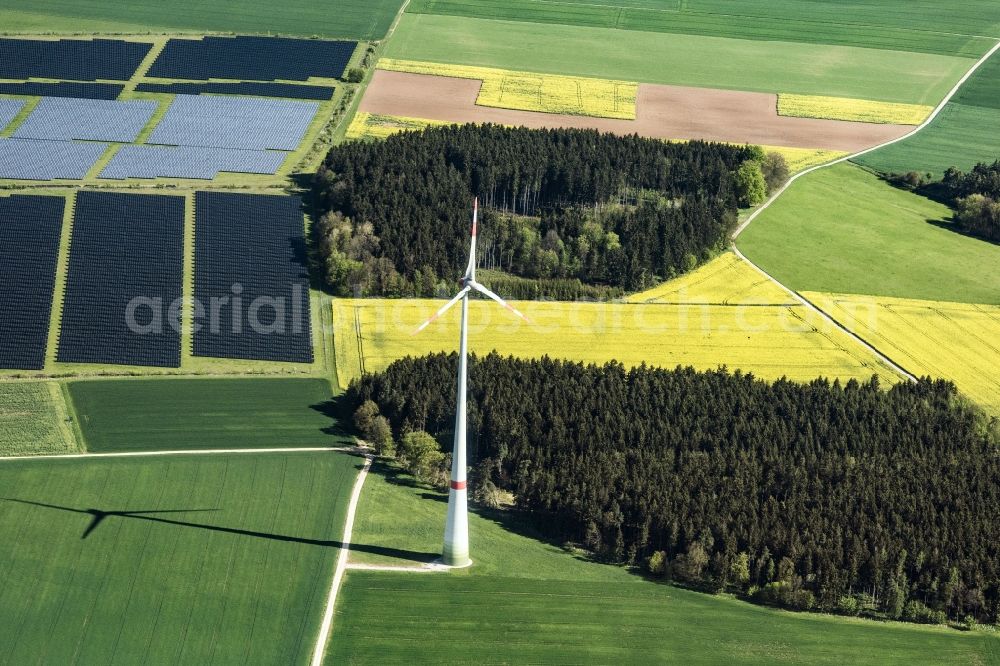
189, 162
9, 108
57, 118
234, 122
30, 159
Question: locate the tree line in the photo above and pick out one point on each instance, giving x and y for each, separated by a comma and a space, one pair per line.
559, 207
974, 195
838, 497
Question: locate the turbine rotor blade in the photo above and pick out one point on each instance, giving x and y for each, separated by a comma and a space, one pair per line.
459, 296
470, 271
486, 292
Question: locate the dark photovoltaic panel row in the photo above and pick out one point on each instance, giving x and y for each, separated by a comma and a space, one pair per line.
126, 269
248, 58
251, 278
285, 90
63, 89
30, 229
71, 59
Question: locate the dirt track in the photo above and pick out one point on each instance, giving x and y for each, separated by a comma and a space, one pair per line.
666, 112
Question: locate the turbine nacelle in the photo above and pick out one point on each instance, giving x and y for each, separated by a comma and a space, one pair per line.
468, 281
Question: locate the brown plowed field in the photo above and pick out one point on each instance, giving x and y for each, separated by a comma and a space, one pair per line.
665, 112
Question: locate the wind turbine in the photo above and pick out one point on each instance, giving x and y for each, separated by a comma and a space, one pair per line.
456, 529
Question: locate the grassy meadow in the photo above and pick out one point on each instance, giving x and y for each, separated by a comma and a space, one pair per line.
34, 419
926, 26
528, 601
843, 230
196, 560
966, 131
183, 414
736, 320
955, 341
778, 67
352, 19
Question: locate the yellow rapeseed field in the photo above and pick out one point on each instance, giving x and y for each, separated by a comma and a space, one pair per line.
380, 126
528, 91
800, 159
845, 108
955, 341
725, 280
753, 327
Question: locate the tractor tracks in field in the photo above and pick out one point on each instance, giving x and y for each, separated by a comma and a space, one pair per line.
799, 298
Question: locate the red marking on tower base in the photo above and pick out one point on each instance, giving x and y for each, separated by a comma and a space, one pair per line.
458, 485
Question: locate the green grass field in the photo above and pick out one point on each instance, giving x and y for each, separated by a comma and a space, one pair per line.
966, 132
224, 560
182, 414
524, 601
707, 62
843, 230
357, 19
891, 24
34, 419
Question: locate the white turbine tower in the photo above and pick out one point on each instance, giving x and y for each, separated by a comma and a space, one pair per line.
456, 529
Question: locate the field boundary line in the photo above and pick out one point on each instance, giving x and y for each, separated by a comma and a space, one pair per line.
830, 320
338, 574
846, 158
175, 452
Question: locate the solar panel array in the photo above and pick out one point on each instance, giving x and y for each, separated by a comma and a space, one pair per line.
63, 89
189, 162
62, 119
32, 159
124, 247
252, 247
71, 59
234, 122
9, 108
246, 58
284, 90
30, 229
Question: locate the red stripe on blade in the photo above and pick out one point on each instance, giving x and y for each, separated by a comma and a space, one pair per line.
458, 485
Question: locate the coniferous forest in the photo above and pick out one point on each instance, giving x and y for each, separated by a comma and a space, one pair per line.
840, 497
576, 212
